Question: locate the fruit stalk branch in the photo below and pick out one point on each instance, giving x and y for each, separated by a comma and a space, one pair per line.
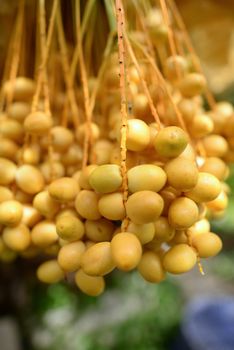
123, 93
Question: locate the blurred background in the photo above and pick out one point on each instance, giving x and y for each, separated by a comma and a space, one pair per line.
188, 312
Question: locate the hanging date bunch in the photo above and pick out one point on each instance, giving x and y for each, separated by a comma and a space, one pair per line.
109, 158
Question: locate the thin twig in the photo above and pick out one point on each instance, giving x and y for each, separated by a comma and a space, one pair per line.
45, 57
143, 82
88, 140
66, 70
196, 62
171, 40
163, 82
16, 53
86, 16
102, 69
42, 30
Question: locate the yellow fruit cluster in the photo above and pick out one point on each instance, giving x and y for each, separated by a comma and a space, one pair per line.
82, 219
